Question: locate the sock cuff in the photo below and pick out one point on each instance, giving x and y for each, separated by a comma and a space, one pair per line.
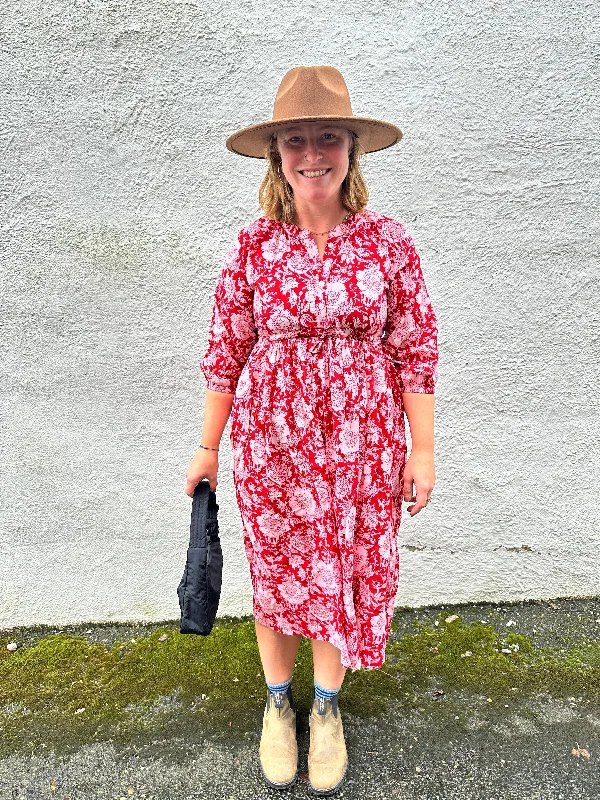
279, 687
325, 694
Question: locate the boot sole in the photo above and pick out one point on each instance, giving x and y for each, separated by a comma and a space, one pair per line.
331, 790
278, 785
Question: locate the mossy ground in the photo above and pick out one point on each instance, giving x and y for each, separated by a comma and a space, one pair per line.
60, 690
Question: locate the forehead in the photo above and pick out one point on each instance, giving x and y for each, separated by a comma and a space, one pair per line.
307, 127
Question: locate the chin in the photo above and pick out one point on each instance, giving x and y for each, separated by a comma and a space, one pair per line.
320, 194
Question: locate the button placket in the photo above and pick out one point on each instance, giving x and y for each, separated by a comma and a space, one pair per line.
321, 315
327, 262
324, 267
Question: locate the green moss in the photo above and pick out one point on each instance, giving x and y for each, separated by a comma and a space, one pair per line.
60, 690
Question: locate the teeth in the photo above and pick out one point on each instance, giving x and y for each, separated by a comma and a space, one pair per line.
314, 174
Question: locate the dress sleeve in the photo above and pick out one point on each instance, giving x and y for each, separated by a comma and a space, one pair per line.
232, 333
410, 333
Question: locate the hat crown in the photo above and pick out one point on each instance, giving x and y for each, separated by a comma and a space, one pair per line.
312, 92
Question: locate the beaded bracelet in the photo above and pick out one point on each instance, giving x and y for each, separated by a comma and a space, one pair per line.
210, 448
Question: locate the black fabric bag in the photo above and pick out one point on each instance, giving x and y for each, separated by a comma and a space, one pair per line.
200, 587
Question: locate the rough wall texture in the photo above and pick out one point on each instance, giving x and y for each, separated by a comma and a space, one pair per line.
120, 200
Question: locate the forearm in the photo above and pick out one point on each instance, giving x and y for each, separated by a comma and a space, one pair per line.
419, 408
217, 407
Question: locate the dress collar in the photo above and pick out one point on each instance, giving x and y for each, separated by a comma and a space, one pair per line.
343, 229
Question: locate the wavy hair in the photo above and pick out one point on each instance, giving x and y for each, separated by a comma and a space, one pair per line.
276, 196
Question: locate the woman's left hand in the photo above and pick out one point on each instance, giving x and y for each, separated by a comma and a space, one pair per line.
420, 471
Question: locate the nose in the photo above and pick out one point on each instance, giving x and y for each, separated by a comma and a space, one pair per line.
312, 151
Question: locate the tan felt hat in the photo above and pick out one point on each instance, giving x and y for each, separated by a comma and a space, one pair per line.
309, 94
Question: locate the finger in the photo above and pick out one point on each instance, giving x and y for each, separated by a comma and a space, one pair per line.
421, 502
189, 487
414, 509
422, 495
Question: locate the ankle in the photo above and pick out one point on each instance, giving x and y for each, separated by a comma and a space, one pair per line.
325, 694
277, 692
322, 695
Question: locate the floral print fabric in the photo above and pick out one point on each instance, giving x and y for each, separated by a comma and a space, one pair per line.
317, 355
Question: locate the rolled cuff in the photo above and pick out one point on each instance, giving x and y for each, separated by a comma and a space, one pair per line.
416, 382
227, 385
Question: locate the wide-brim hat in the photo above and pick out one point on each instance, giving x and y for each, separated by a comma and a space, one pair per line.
313, 94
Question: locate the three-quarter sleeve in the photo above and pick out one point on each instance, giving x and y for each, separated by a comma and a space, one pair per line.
232, 333
410, 333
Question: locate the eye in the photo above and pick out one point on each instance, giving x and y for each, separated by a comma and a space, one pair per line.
332, 135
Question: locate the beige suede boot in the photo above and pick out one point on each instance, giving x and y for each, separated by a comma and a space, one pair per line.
327, 756
278, 745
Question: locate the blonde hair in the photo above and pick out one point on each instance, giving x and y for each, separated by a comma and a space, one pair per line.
276, 196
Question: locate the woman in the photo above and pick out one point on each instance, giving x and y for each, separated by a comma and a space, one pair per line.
322, 336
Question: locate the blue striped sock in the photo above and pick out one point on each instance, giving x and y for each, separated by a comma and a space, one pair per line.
280, 688
325, 694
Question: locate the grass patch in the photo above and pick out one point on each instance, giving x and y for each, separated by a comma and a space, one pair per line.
61, 690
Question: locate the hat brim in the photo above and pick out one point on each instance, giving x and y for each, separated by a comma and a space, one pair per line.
373, 134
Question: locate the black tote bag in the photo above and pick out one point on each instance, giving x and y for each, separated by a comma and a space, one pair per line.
200, 587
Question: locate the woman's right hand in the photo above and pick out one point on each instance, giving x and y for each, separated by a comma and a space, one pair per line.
204, 464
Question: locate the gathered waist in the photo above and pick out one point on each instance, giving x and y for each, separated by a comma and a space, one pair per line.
370, 338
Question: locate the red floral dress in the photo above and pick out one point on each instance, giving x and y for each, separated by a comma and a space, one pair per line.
317, 355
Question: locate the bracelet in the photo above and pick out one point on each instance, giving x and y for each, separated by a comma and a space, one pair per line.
210, 448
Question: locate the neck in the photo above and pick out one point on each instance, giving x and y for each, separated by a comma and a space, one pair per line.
319, 218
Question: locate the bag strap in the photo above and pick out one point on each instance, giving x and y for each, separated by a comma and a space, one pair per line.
199, 515
204, 516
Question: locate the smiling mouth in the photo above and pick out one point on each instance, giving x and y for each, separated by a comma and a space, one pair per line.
314, 173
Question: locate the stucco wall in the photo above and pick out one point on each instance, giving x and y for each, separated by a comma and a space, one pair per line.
119, 202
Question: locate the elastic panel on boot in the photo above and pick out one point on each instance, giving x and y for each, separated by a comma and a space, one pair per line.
322, 695
278, 690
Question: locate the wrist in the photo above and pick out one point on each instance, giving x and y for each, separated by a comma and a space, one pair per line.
207, 447
422, 450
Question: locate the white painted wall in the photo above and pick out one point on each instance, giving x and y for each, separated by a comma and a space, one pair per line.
119, 200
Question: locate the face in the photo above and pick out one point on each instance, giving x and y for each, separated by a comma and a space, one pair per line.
314, 159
